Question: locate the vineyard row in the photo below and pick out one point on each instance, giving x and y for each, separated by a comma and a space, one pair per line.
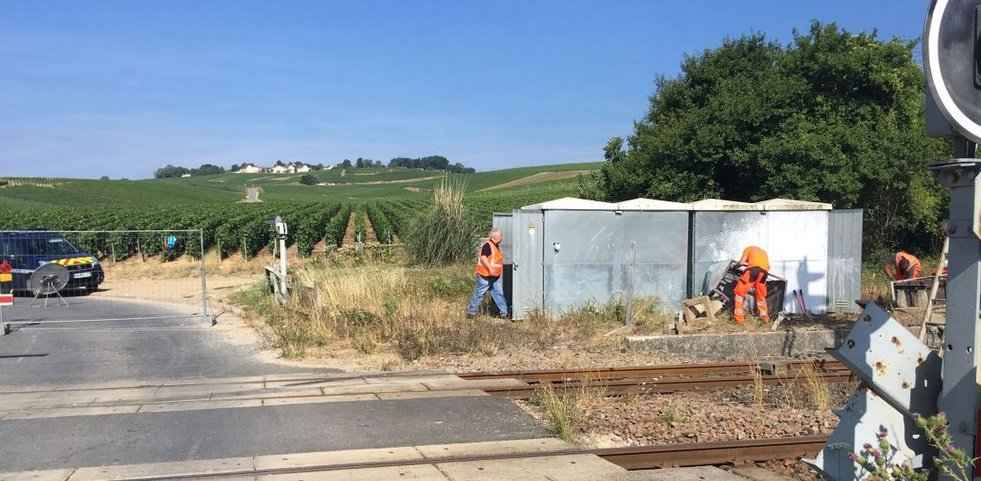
227, 228
242, 227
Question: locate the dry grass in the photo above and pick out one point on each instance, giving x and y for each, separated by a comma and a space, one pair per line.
408, 312
817, 388
568, 409
153, 267
758, 389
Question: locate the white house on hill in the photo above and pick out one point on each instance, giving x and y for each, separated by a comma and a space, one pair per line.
251, 169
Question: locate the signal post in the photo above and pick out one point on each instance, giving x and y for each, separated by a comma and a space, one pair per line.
952, 64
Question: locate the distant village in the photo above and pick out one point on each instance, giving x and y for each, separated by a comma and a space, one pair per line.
432, 162
290, 168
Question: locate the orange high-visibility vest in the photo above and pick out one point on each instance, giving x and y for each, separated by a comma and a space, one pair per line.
755, 257
496, 260
914, 266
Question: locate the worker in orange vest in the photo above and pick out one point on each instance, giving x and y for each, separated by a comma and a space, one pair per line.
755, 265
490, 266
905, 266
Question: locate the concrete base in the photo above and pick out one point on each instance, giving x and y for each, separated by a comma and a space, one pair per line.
741, 346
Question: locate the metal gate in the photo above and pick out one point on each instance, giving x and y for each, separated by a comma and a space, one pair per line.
101, 276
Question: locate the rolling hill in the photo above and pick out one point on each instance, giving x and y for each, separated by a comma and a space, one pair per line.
337, 185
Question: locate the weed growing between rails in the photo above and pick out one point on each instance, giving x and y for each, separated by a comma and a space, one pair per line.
567, 410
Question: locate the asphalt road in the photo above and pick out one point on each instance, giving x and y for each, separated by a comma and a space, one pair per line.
50, 347
44, 352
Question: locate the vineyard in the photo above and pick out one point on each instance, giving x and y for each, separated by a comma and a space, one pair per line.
229, 228
373, 205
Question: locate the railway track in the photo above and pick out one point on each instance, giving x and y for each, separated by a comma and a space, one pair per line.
664, 379
631, 458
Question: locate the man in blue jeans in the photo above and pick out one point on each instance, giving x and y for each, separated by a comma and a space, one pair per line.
490, 266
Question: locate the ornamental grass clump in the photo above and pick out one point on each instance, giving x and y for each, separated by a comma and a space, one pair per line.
443, 234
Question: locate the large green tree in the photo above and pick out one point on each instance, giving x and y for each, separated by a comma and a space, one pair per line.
833, 117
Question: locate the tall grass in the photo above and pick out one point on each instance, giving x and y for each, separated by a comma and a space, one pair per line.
568, 409
413, 312
443, 234
817, 388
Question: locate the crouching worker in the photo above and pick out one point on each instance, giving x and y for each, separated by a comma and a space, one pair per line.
490, 266
755, 265
905, 266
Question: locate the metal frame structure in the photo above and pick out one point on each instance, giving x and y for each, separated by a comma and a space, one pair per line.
205, 313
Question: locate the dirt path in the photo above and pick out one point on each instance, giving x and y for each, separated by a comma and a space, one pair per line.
538, 178
349, 238
369, 232
252, 194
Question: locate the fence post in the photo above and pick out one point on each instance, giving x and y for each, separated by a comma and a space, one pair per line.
318, 295
219, 249
245, 250
204, 283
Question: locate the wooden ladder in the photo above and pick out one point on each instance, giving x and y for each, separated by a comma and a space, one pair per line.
934, 305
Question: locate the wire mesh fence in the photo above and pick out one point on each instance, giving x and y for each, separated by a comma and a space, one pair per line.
74, 276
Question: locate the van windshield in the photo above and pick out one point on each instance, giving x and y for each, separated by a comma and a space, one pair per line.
39, 246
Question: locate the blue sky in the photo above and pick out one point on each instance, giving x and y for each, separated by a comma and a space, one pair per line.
120, 88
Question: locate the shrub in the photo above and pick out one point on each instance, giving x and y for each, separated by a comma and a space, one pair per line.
307, 179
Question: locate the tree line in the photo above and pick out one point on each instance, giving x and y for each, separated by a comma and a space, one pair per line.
432, 162
832, 117
177, 171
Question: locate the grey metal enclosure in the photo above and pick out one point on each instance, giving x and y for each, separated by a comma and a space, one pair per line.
568, 252
589, 251
526, 263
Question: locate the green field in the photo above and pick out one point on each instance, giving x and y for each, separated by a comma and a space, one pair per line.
339, 185
384, 198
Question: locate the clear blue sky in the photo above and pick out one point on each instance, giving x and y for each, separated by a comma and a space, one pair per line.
119, 88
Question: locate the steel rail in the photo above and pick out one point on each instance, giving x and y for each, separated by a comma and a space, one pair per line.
630, 458
551, 375
662, 386
713, 453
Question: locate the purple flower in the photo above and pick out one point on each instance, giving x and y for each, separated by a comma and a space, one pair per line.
867, 446
876, 454
950, 449
916, 416
882, 434
851, 456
